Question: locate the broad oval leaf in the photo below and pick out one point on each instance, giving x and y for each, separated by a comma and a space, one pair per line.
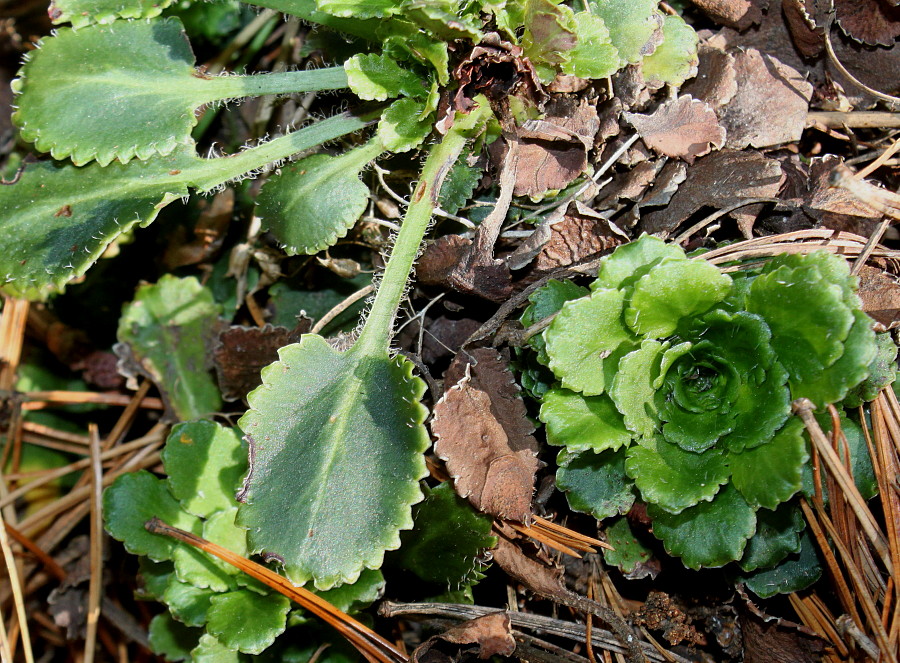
312, 203
142, 74
596, 483
336, 447
634, 27
246, 621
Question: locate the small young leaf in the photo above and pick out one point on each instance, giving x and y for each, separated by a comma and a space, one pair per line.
201, 570
544, 302
143, 70
205, 463
245, 621
709, 534
187, 603
675, 60
594, 56
210, 650
337, 439
634, 387
378, 77
628, 553
549, 36
131, 501
353, 597
446, 539
596, 483
84, 12
402, 127
312, 203
634, 27
459, 185
167, 328
172, 639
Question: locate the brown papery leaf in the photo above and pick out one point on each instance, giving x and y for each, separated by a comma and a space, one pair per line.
684, 128
770, 105
484, 436
540, 577
242, 352
874, 22
833, 206
575, 238
716, 80
738, 14
880, 295
485, 637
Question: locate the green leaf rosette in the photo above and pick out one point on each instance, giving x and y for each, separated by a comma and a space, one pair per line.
690, 374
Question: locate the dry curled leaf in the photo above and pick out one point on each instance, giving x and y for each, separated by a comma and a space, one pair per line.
573, 239
873, 22
880, 295
770, 105
684, 128
541, 577
738, 14
483, 637
716, 80
836, 207
484, 436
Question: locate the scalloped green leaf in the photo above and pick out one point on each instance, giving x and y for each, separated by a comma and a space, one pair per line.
84, 12
246, 621
402, 126
795, 573
596, 483
882, 372
312, 203
172, 639
549, 36
154, 578
205, 571
168, 327
674, 479
337, 441
710, 534
673, 290
187, 603
860, 461
577, 358
359, 8
544, 302
459, 186
771, 473
675, 60
144, 73
628, 259
64, 217
628, 551
634, 387
353, 597
447, 538
131, 501
377, 77
582, 423
205, 463
634, 27
594, 56
777, 536
210, 650
409, 38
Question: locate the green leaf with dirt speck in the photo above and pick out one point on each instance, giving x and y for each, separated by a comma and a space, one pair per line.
168, 328
628, 552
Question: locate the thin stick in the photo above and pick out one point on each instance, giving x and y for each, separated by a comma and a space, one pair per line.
370, 644
686, 235
853, 119
13, 572
882, 158
38, 400
95, 585
341, 307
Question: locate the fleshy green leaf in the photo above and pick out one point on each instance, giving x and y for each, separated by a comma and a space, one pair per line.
167, 327
64, 217
402, 127
312, 203
172, 639
675, 60
459, 185
202, 570
771, 473
882, 372
795, 573
628, 552
409, 38
245, 621
84, 12
210, 650
583, 422
337, 439
131, 501
577, 358
675, 479
594, 56
377, 77
447, 538
359, 8
154, 578
353, 597
777, 536
143, 71
187, 603
709, 534
628, 259
205, 463
860, 462
634, 386
634, 27
544, 302
596, 483
673, 290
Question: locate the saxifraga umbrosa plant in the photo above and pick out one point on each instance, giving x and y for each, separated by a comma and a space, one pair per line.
676, 381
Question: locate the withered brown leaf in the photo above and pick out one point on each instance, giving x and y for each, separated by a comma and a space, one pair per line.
490, 634
241, 353
684, 128
484, 436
